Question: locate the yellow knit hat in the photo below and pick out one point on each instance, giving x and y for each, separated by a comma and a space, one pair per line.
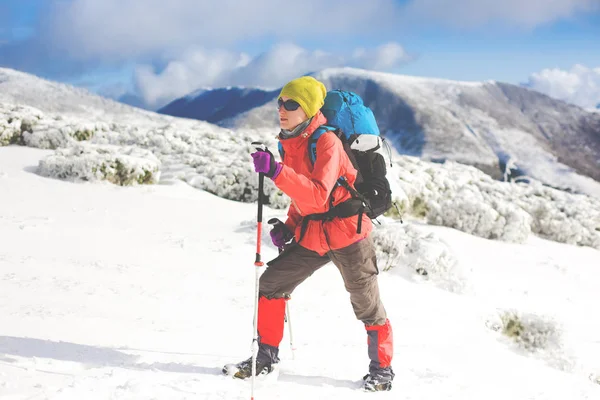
308, 92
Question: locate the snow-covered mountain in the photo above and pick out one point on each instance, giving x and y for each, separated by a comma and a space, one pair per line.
20, 88
217, 105
484, 124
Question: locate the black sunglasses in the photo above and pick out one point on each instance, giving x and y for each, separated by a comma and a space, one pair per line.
289, 105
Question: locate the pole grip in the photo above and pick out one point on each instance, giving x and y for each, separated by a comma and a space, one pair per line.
261, 185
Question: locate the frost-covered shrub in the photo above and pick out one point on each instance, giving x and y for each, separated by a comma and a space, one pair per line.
402, 249
83, 134
278, 199
14, 121
529, 330
30, 127
536, 335
460, 197
469, 212
48, 138
206, 157
561, 216
465, 198
52, 135
85, 162
232, 179
10, 131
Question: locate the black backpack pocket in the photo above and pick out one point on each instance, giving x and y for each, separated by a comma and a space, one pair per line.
374, 186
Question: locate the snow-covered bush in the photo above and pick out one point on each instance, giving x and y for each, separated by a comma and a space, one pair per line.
52, 135
534, 334
16, 120
561, 216
460, 197
85, 162
221, 167
278, 199
10, 131
33, 128
217, 160
469, 212
402, 249
530, 331
207, 157
465, 198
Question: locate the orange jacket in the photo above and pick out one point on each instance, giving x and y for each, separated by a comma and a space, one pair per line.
309, 188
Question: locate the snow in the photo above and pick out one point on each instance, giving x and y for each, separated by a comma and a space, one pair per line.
24, 89
144, 292
433, 83
217, 160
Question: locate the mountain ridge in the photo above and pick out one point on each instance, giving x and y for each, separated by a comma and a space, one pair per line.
488, 125
485, 124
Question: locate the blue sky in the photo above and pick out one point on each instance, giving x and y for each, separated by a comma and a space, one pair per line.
158, 50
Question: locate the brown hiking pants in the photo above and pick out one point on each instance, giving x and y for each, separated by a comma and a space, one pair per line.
357, 263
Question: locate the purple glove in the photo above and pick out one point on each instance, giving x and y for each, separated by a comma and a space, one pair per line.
280, 235
265, 162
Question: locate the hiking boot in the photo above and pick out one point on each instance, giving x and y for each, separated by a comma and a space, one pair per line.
266, 360
243, 370
372, 384
378, 380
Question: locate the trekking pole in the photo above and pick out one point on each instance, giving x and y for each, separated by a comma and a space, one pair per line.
276, 222
289, 320
257, 263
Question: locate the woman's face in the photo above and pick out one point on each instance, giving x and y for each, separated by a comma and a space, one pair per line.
290, 119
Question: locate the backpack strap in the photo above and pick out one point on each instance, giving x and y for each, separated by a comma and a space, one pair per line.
312, 147
354, 206
312, 141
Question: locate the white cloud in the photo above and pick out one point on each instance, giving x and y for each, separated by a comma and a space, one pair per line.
479, 13
124, 29
204, 68
121, 30
73, 36
580, 85
385, 57
194, 69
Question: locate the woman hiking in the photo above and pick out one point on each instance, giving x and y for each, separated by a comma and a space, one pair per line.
317, 240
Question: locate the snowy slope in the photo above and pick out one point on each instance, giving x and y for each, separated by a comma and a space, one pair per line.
20, 88
145, 292
217, 160
484, 124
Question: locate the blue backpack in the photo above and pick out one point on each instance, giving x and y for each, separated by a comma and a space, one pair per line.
354, 124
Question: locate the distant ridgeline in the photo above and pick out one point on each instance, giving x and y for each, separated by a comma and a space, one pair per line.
489, 125
218, 105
